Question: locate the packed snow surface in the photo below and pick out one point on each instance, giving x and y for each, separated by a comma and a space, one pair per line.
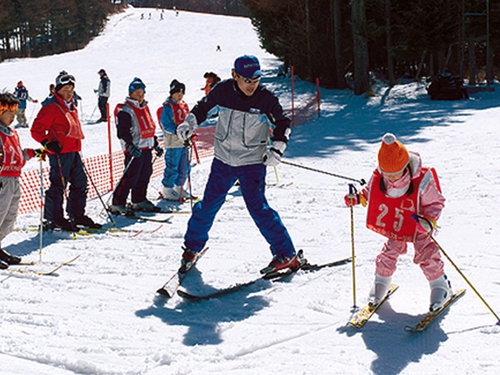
101, 314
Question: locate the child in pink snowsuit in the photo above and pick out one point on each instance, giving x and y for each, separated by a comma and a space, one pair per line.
399, 188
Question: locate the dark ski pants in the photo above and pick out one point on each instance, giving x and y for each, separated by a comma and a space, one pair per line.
103, 100
252, 183
136, 179
64, 169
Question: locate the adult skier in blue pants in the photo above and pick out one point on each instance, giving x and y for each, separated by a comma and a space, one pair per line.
246, 111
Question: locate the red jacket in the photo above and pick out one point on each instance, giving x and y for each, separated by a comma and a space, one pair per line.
56, 121
12, 158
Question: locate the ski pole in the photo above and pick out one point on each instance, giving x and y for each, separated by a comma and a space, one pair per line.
361, 182
65, 193
194, 138
353, 192
41, 208
419, 217
187, 165
92, 115
81, 106
97, 192
31, 115
120, 181
276, 174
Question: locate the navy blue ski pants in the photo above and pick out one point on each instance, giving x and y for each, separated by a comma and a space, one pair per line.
65, 168
135, 180
252, 183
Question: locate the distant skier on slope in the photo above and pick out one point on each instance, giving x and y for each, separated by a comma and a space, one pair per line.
21, 93
399, 188
103, 92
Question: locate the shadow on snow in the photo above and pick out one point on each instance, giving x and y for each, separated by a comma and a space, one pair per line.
346, 120
204, 317
395, 348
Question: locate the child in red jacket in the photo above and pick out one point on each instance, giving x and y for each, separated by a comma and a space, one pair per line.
12, 160
399, 189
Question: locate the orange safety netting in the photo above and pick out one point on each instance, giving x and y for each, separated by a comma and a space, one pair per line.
104, 171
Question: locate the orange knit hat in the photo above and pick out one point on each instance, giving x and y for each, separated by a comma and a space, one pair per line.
393, 156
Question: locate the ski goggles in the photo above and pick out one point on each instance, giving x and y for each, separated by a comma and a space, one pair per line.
65, 80
8, 107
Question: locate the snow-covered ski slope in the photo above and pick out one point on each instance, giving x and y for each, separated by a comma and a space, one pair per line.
100, 314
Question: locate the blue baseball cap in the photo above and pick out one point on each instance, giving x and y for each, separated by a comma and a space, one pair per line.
247, 66
136, 84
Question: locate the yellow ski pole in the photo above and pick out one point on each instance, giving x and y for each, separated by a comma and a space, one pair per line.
419, 217
353, 192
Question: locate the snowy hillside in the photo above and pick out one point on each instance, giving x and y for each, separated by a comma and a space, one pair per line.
100, 315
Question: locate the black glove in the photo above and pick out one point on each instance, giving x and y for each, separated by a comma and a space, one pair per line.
159, 151
135, 152
53, 147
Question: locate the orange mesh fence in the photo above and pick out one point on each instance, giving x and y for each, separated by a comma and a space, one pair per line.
30, 189
205, 142
104, 171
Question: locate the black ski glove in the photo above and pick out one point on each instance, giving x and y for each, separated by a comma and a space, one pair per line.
53, 147
134, 151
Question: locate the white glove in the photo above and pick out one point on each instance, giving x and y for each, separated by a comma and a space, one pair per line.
272, 157
191, 120
186, 129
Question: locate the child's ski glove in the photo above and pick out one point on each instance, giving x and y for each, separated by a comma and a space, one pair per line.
425, 224
355, 199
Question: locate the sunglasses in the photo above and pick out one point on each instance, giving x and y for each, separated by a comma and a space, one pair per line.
249, 80
66, 79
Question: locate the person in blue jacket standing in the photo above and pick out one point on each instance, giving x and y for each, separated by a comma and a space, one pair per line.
21, 93
246, 111
177, 164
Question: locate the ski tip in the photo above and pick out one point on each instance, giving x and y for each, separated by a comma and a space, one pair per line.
188, 296
164, 293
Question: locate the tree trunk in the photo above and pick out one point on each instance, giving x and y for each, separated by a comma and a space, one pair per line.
420, 66
472, 61
361, 64
337, 27
390, 59
308, 41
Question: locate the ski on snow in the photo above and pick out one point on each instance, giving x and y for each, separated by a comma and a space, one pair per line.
155, 218
363, 315
85, 231
172, 285
273, 276
432, 315
42, 273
